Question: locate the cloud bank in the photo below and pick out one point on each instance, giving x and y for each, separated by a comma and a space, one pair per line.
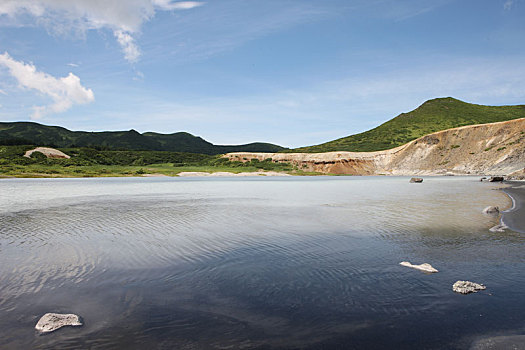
123, 17
65, 92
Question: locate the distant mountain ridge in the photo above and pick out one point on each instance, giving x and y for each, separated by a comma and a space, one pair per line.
432, 116
12, 133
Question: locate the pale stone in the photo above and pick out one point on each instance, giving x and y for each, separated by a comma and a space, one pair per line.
51, 322
499, 228
491, 210
423, 267
465, 287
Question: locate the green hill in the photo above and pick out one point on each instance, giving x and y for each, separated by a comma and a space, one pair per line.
19, 133
433, 115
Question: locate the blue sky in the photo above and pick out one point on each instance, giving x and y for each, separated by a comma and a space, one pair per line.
291, 72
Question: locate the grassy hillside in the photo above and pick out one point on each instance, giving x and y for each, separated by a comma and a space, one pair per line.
23, 133
431, 116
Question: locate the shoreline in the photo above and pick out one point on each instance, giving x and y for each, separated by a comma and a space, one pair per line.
514, 217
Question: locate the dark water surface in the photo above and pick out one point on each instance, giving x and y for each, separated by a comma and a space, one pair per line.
256, 263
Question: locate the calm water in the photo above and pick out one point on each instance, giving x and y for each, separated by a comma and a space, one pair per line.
256, 263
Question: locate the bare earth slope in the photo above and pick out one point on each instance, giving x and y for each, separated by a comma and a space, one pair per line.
496, 148
48, 152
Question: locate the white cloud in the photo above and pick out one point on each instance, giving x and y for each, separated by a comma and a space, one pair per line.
508, 4
181, 5
127, 43
123, 17
64, 92
74, 65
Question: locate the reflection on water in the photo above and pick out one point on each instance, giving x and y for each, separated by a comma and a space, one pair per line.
255, 263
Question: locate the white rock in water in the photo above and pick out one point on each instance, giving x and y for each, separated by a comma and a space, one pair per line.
51, 322
423, 267
466, 287
491, 210
499, 228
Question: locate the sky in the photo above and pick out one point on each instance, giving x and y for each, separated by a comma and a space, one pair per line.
290, 72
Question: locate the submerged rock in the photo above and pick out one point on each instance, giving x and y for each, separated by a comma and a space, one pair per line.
465, 287
514, 342
423, 267
50, 322
499, 228
416, 180
491, 210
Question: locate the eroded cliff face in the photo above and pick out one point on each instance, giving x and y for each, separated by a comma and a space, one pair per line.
497, 148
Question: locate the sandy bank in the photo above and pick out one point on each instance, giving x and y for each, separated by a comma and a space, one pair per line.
225, 173
514, 218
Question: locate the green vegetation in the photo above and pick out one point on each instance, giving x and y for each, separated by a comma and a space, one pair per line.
454, 146
431, 116
28, 133
88, 162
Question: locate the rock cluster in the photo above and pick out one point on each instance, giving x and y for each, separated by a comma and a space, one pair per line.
416, 180
51, 322
465, 287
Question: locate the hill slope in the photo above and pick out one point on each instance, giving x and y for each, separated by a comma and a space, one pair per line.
495, 148
18, 133
432, 116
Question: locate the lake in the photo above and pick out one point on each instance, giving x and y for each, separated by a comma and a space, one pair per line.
256, 263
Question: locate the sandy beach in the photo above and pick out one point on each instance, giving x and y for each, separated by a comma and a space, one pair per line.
514, 218
225, 173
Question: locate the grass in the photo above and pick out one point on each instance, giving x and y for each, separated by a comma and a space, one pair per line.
86, 162
45, 170
432, 116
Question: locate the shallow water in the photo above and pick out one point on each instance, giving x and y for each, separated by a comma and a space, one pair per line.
264, 263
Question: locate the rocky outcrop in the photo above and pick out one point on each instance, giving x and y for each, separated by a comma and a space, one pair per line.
496, 179
50, 322
48, 152
465, 287
496, 148
416, 180
423, 267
